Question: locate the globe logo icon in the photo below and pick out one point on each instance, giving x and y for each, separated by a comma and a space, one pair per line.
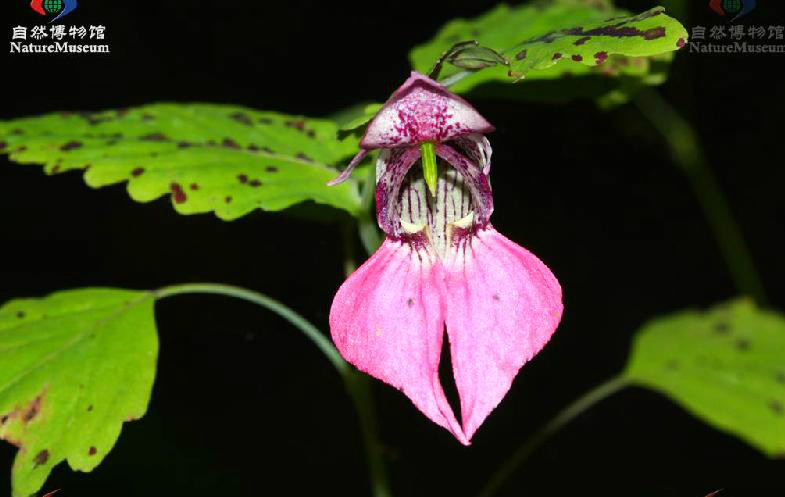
731, 6
60, 8
735, 8
53, 6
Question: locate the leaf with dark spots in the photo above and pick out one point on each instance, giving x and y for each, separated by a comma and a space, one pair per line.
92, 451
615, 31
178, 195
271, 169
207, 145
242, 118
229, 143
41, 458
743, 344
730, 382
654, 33
154, 137
72, 145
255, 183
298, 125
94, 118
541, 40
194, 186
242, 178
32, 410
61, 392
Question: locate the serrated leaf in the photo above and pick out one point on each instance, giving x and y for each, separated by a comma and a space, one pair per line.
589, 48
726, 366
75, 366
226, 159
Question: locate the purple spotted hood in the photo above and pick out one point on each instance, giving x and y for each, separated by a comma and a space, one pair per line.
442, 266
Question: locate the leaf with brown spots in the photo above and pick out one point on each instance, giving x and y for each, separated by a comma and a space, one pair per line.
554, 47
162, 149
75, 366
730, 361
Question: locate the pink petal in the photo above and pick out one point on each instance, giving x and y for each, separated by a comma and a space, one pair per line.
502, 307
422, 110
387, 320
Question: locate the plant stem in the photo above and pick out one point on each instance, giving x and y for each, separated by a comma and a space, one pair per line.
285, 312
451, 80
566, 415
691, 159
360, 390
349, 261
357, 386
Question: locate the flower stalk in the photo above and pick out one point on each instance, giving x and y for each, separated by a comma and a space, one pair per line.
357, 387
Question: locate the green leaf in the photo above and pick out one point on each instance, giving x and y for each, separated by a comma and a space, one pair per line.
357, 116
590, 49
76, 365
726, 366
220, 158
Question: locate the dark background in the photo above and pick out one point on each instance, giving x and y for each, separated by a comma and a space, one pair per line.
244, 404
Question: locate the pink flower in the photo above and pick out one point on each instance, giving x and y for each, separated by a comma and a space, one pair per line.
442, 265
